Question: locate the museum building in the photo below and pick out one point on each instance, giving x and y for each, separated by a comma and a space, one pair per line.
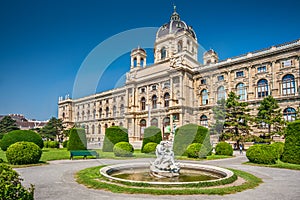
177, 89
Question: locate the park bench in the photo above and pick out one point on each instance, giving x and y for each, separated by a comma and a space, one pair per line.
83, 153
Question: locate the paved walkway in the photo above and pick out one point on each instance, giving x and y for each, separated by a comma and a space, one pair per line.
56, 182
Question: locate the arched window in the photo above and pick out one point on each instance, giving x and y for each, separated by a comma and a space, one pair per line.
154, 122
77, 116
154, 101
87, 129
163, 53
262, 88
94, 114
179, 46
114, 111
288, 85
88, 115
142, 62
204, 97
204, 121
93, 129
63, 115
143, 124
82, 115
289, 114
221, 93
99, 129
105, 126
107, 112
167, 99
100, 113
241, 91
121, 124
134, 62
122, 110
143, 103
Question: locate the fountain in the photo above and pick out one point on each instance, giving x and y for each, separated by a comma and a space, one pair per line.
165, 171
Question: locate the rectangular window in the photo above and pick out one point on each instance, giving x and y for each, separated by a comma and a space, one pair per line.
153, 87
203, 81
261, 69
240, 74
143, 90
167, 85
221, 78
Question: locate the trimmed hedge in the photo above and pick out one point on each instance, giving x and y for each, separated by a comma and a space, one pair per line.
11, 187
278, 148
123, 149
262, 154
114, 135
21, 136
51, 144
188, 134
151, 134
223, 148
22, 153
77, 139
150, 148
291, 152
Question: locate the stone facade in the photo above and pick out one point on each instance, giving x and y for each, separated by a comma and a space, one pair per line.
177, 89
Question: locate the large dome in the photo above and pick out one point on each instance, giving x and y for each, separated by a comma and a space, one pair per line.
175, 25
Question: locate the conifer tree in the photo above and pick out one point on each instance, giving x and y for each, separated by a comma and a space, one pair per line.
219, 117
7, 124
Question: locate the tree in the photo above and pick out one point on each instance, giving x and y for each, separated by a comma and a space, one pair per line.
270, 114
237, 118
53, 129
219, 112
7, 124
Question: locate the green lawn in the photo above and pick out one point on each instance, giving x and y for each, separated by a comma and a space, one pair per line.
279, 164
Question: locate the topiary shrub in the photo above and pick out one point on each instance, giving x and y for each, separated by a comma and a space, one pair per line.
65, 143
261, 154
278, 148
123, 149
11, 187
193, 150
22, 153
188, 134
223, 148
114, 135
150, 148
77, 139
54, 144
151, 134
20, 136
291, 152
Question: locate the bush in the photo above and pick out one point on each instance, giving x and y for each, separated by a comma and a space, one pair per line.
262, 154
114, 135
278, 148
197, 150
151, 134
223, 148
51, 144
21, 136
188, 134
77, 139
65, 143
150, 148
123, 149
291, 152
22, 153
10, 185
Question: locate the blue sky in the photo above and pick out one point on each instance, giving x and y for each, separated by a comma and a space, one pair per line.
44, 42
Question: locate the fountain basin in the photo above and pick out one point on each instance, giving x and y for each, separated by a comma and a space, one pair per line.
120, 171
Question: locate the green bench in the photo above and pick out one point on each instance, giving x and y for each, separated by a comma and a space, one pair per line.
83, 153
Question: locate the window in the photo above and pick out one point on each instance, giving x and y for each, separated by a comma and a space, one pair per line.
107, 112
93, 129
204, 121
179, 46
154, 122
167, 84
143, 103
82, 115
143, 90
154, 87
287, 63
154, 101
100, 113
221, 93
288, 85
241, 91
262, 88
289, 114
99, 129
106, 100
262, 69
204, 97
114, 111
87, 129
94, 114
203, 81
239, 74
122, 110
167, 99
143, 124
77, 116
221, 78
163, 53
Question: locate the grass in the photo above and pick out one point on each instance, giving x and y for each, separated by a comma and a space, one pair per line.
90, 178
278, 164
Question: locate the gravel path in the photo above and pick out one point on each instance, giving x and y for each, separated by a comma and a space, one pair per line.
56, 182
